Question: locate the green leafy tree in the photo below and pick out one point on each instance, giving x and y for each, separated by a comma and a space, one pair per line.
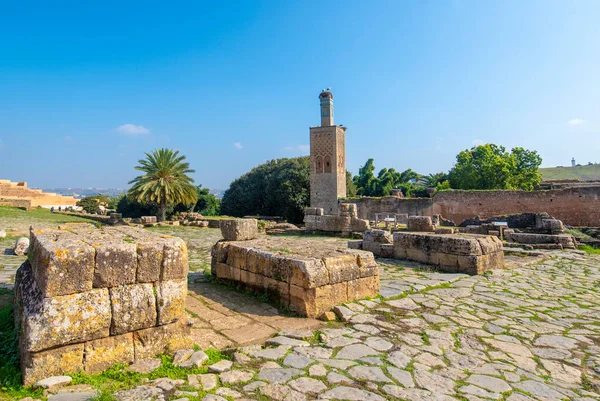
90, 204
165, 180
207, 203
432, 180
525, 173
491, 167
276, 188
351, 190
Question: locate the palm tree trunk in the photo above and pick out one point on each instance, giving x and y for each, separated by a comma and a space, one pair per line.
162, 209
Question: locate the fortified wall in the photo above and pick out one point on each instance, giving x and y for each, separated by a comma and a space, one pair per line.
17, 194
578, 206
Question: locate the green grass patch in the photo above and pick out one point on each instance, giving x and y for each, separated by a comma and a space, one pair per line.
590, 250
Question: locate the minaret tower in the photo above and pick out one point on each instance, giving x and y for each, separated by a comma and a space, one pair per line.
327, 159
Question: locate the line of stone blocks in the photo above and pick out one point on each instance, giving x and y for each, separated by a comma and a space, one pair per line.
455, 253
307, 285
330, 223
88, 298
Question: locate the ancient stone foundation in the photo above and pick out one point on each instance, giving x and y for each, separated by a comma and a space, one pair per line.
307, 279
455, 253
89, 298
345, 221
460, 253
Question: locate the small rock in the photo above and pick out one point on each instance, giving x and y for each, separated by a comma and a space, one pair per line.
52, 382
278, 375
146, 365
221, 366
327, 316
343, 313
306, 385
281, 340
350, 394
212, 397
249, 388
297, 361
240, 358
181, 356
22, 246
228, 392
3, 235
236, 376
317, 370
195, 361
208, 381
297, 334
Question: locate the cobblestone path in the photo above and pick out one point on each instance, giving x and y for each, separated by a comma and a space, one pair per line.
530, 333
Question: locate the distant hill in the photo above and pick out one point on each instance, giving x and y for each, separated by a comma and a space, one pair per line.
582, 173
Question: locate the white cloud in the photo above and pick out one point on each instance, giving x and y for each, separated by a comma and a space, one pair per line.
238, 145
132, 129
478, 142
297, 148
576, 121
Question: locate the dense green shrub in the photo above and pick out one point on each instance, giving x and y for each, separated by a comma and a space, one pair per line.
276, 188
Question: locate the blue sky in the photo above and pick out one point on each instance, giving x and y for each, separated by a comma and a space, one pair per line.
87, 87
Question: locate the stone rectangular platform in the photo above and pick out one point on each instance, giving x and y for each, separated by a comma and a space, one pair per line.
307, 278
454, 253
88, 298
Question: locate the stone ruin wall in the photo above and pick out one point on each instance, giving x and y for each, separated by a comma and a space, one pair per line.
574, 206
17, 194
367, 207
88, 298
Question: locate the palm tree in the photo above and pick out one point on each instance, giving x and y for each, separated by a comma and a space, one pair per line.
165, 180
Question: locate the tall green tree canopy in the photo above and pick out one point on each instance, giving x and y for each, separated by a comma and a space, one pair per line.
207, 203
165, 180
278, 187
367, 184
492, 167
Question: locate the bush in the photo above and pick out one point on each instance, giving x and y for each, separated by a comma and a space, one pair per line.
276, 188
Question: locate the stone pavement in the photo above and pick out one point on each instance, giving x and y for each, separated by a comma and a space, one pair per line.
531, 333
223, 317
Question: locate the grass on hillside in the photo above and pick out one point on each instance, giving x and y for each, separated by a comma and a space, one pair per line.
583, 173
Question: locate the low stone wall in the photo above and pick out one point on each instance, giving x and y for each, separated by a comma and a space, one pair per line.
564, 240
14, 202
367, 207
305, 279
456, 253
346, 221
88, 298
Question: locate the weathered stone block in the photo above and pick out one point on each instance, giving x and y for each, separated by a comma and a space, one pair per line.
149, 261
359, 225
553, 226
54, 362
313, 211
420, 223
62, 265
170, 299
101, 354
307, 272
365, 287
566, 240
237, 256
175, 259
355, 244
342, 268
148, 219
116, 264
471, 254
133, 308
162, 339
62, 320
239, 230
444, 230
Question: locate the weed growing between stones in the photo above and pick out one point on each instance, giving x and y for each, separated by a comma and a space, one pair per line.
590, 250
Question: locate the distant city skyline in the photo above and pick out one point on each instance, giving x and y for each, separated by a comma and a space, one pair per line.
87, 88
